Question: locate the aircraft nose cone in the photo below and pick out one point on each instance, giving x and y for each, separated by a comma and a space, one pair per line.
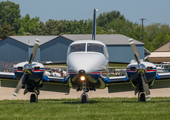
81, 72
88, 62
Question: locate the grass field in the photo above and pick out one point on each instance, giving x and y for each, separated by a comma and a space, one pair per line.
95, 109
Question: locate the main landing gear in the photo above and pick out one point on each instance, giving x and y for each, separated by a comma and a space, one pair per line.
84, 96
34, 95
141, 97
34, 98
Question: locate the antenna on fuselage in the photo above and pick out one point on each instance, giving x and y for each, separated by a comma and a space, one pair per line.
94, 25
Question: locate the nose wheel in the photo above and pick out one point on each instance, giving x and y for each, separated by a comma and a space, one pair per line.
84, 96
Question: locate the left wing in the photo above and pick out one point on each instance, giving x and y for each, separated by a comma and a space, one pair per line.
119, 84
163, 76
122, 83
162, 80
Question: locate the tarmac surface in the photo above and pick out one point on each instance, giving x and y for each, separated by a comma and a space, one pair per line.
6, 93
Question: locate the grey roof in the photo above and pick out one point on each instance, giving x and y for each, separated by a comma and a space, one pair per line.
29, 40
108, 39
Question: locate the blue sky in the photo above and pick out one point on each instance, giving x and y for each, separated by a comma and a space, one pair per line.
155, 11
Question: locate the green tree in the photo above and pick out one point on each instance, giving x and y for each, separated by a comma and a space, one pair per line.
9, 12
27, 25
62, 26
40, 29
156, 35
159, 40
51, 27
6, 30
105, 18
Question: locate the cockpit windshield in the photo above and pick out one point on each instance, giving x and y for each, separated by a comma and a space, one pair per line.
92, 47
77, 47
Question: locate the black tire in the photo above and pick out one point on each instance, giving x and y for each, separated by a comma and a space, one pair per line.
84, 99
33, 98
142, 97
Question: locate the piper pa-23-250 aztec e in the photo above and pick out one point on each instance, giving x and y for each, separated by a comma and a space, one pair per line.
87, 67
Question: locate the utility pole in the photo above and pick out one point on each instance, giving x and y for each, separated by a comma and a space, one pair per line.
143, 29
94, 25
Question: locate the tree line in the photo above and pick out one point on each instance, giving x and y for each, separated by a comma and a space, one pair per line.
11, 23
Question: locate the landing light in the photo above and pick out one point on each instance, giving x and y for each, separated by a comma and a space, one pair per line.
82, 78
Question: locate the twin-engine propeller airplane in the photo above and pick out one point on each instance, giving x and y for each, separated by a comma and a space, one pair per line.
87, 64
87, 70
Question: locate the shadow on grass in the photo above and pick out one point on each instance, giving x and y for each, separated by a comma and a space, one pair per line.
70, 101
7, 102
153, 100
90, 101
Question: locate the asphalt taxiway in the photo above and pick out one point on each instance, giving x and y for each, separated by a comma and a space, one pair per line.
6, 93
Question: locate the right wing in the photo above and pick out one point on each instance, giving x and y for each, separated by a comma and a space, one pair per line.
50, 83
55, 84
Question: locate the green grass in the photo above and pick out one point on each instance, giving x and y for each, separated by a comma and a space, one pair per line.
117, 65
95, 109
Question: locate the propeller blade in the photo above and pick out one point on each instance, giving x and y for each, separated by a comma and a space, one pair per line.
34, 50
19, 85
145, 86
26, 71
143, 77
135, 52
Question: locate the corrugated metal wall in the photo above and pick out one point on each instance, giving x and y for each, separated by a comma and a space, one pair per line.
123, 53
13, 51
55, 50
37, 56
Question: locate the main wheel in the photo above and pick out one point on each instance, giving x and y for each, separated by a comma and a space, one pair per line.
33, 98
142, 97
84, 98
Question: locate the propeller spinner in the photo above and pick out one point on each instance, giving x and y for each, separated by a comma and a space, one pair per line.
141, 70
27, 69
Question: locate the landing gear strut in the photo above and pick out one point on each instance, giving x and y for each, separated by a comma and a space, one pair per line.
141, 97
84, 96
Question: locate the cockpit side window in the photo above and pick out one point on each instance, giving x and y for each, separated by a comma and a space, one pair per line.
92, 47
77, 48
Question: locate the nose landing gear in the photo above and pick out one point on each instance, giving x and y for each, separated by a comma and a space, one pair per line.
84, 96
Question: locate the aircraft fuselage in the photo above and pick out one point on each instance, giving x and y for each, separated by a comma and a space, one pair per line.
87, 58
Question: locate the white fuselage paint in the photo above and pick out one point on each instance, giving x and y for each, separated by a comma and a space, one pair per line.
90, 61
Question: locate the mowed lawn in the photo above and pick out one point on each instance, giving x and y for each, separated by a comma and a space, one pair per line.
95, 109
